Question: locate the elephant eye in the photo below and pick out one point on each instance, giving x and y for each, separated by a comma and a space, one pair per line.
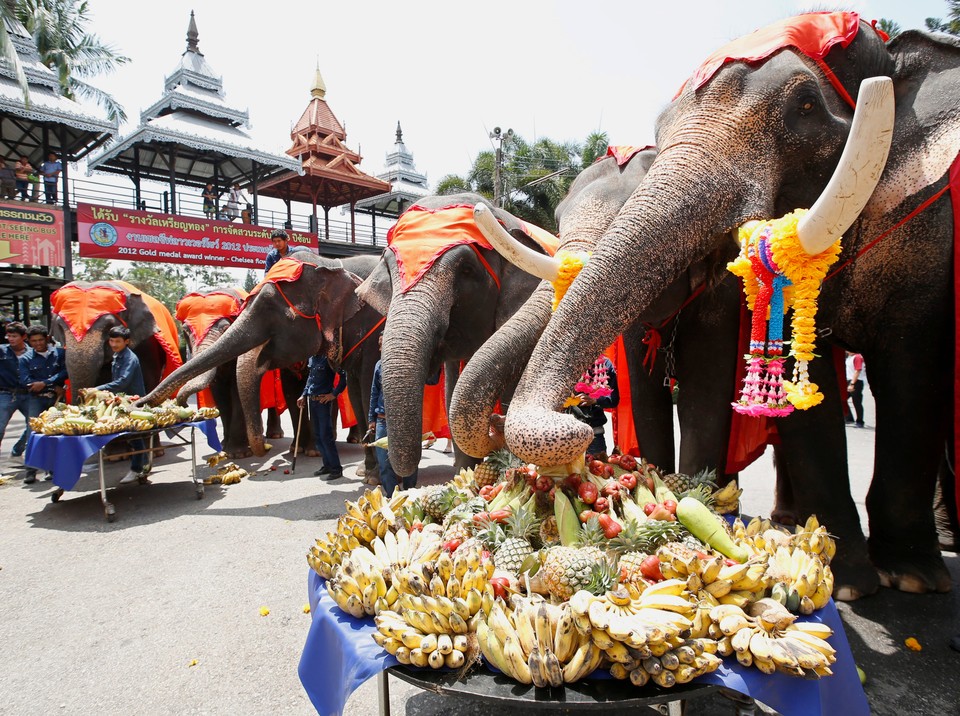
807, 105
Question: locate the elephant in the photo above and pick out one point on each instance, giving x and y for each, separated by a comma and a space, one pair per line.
464, 292
277, 328
83, 314
707, 323
754, 140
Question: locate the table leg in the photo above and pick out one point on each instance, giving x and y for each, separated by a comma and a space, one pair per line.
383, 692
743, 705
197, 484
108, 511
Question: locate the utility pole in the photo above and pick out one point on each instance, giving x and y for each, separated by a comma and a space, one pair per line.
499, 136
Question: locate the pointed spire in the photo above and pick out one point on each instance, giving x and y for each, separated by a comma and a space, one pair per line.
319, 89
399, 133
193, 36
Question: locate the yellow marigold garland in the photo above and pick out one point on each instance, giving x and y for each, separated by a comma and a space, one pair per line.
570, 265
771, 261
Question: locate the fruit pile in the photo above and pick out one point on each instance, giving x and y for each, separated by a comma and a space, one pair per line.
549, 573
228, 473
100, 412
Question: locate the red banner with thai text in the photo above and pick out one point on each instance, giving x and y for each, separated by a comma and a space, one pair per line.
31, 234
117, 233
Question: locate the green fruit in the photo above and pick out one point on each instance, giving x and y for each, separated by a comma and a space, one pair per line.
863, 676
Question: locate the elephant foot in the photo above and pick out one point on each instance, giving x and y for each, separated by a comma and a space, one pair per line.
854, 576
311, 452
786, 517
913, 576
361, 471
238, 453
274, 434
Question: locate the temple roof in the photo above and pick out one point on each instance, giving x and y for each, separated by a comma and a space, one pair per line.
407, 185
85, 126
331, 176
193, 123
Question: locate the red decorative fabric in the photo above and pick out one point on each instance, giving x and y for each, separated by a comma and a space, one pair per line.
199, 312
434, 408
422, 235
624, 430
271, 392
814, 34
624, 153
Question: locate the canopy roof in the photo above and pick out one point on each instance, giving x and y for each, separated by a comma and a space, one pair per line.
191, 134
52, 122
330, 176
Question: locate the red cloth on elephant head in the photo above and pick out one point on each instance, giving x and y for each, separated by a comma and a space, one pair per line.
80, 308
199, 311
286, 269
624, 153
813, 34
422, 235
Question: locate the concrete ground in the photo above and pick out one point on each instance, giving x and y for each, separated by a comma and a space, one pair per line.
159, 612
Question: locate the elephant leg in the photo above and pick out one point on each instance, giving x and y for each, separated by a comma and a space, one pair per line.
784, 503
293, 384
911, 431
274, 428
249, 374
652, 403
227, 398
814, 450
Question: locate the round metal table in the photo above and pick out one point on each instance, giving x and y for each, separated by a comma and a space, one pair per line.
500, 691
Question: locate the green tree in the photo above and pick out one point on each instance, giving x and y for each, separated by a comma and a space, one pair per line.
482, 172
452, 184
250, 280
165, 282
594, 148
537, 177
60, 31
211, 277
951, 25
8, 50
890, 27
97, 270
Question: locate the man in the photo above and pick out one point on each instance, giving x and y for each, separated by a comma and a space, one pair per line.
50, 170
234, 198
854, 370
13, 359
597, 391
321, 395
126, 377
8, 181
46, 372
281, 248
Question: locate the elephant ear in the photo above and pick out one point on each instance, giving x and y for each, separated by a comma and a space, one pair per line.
139, 319
377, 290
337, 301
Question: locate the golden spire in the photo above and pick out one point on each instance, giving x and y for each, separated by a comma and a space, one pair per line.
319, 89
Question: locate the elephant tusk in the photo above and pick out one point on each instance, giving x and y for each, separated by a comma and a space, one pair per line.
544, 267
858, 171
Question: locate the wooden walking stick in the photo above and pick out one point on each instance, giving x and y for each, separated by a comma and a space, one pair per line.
296, 437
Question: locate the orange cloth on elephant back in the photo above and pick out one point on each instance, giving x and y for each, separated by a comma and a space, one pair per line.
422, 235
813, 34
81, 307
199, 312
286, 269
624, 153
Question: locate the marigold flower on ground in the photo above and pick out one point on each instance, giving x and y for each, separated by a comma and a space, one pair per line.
913, 644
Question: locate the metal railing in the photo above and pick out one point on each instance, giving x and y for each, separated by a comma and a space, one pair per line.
189, 202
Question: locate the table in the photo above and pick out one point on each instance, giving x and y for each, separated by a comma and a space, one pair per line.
340, 654
63, 456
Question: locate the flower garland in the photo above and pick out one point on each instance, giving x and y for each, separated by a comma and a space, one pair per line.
778, 274
570, 265
594, 383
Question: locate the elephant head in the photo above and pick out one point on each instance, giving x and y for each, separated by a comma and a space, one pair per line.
296, 313
204, 317
83, 314
461, 295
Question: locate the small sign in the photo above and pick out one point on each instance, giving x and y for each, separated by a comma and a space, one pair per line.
112, 233
31, 235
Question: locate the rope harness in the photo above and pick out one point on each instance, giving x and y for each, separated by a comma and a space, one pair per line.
365, 337
486, 265
315, 316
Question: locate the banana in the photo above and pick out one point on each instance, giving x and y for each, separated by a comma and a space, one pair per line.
517, 664
745, 658
672, 587
724, 647
490, 647
618, 652
554, 671
619, 671
624, 629
500, 624
403, 655
766, 666
811, 641
543, 629
412, 638
461, 608
474, 600
694, 582
760, 646
436, 660
719, 588
639, 677
418, 658
457, 624
565, 636
454, 660
428, 643
711, 569
670, 660
580, 602
686, 654
741, 639
666, 602
445, 643
599, 617
573, 667
523, 623
813, 628
664, 679
538, 671
438, 587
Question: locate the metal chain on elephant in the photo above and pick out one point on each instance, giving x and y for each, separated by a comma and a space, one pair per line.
669, 361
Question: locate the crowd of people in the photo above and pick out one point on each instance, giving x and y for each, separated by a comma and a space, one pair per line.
22, 180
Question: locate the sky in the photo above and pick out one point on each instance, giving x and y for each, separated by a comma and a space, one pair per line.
449, 72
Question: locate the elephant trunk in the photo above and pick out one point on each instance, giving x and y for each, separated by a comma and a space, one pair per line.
242, 336
410, 340
84, 361
661, 230
202, 381
493, 370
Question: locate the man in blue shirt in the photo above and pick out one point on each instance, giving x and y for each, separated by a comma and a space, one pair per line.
46, 372
13, 359
51, 173
321, 395
281, 248
126, 377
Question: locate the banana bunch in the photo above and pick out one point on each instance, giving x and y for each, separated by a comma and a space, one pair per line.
679, 665
448, 576
813, 538
728, 583
327, 553
801, 582
228, 474
207, 414
372, 515
464, 481
419, 647
772, 640
216, 459
727, 498
537, 642
629, 628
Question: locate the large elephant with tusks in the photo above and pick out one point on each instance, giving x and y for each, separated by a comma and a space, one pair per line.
760, 130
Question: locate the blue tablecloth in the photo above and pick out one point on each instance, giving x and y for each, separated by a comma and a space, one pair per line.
340, 654
63, 455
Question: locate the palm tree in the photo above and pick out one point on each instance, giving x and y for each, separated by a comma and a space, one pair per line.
8, 52
890, 27
951, 25
59, 28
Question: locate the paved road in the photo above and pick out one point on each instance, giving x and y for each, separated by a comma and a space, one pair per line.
108, 618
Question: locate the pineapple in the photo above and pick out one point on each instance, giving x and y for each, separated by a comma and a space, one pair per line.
511, 552
492, 469
567, 570
459, 528
440, 499
701, 493
603, 577
549, 533
678, 482
629, 546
